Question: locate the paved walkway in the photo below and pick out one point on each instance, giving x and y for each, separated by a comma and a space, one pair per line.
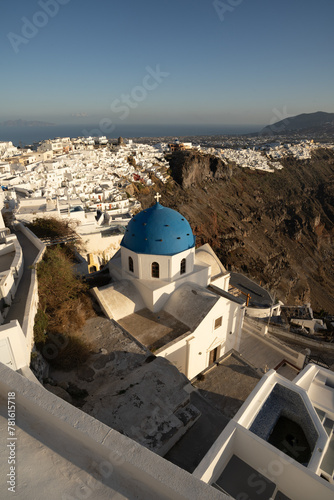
193, 446
258, 353
261, 355
218, 397
18, 305
227, 385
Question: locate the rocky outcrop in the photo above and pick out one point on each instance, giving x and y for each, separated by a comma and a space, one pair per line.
191, 168
277, 228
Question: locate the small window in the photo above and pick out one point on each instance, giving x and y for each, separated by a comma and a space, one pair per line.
155, 270
218, 322
131, 264
183, 266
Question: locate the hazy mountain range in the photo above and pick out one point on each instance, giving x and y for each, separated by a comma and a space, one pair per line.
25, 123
306, 121
317, 122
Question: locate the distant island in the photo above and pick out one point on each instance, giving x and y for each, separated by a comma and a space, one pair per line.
25, 123
307, 121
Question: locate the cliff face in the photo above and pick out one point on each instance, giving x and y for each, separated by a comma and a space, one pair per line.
190, 168
275, 227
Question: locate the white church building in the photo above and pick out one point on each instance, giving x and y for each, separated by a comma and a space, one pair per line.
180, 291
55, 450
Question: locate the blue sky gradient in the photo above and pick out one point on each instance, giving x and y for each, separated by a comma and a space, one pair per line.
252, 64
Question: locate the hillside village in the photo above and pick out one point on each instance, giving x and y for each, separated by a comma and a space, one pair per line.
190, 376
70, 170
94, 172
95, 181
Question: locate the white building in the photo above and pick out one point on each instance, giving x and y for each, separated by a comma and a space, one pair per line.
7, 149
11, 268
158, 271
280, 445
57, 146
60, 452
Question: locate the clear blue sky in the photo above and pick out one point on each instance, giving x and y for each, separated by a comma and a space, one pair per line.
232, 67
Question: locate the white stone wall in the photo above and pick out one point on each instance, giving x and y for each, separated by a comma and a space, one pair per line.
223, 282
264, 312
32, 298
10, 278
96, 458
156, 297
191, 353
125, 254
13, 351
7, 287
169, 265
101, 247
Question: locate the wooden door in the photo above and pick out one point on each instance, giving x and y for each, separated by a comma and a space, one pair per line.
213, 356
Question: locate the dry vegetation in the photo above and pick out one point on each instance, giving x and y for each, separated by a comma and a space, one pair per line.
64, 304
51, 227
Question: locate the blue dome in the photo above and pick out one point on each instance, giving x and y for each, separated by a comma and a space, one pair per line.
158, 230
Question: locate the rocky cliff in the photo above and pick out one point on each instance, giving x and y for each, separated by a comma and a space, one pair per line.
190, 168
277, 228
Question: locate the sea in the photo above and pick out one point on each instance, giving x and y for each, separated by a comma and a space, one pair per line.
25, 135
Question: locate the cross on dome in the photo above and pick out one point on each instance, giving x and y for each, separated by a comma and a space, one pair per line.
157, 197
158, 230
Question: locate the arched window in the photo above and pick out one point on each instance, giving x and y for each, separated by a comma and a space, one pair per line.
131, 264
183, 266
155, 270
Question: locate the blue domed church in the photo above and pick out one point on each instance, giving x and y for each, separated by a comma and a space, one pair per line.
170, 296
158, 244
